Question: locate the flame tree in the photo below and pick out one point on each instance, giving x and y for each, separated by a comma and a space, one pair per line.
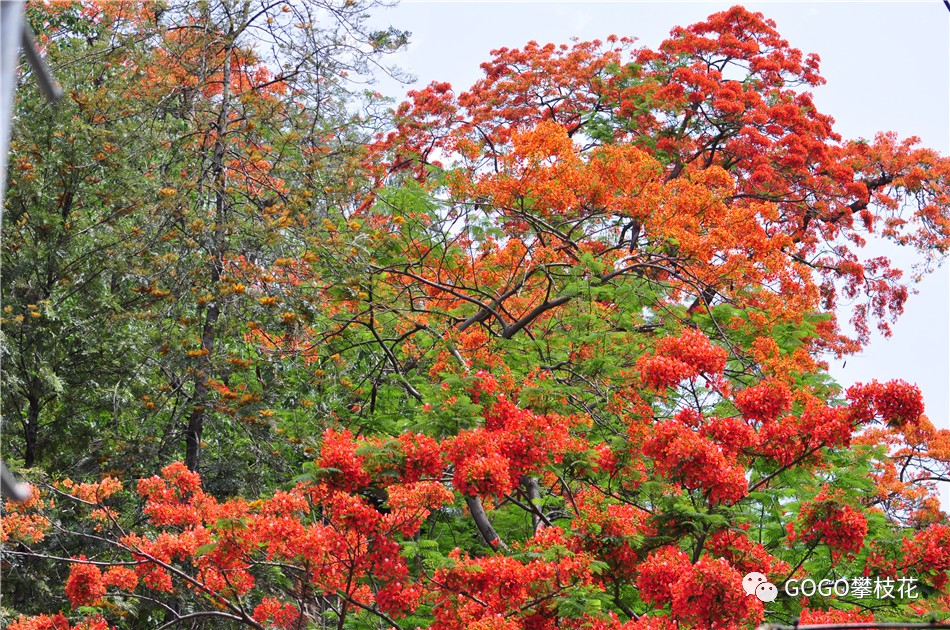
561, 346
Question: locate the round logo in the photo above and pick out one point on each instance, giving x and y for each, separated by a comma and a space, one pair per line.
766, 592
757, 584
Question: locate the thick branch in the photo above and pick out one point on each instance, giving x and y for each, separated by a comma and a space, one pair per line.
536, 312
484, 526
198, 615
533, 494
484, 313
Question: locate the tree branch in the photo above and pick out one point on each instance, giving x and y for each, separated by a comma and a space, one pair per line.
484, 526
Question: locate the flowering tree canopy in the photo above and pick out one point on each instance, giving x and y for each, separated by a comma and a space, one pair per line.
545, 353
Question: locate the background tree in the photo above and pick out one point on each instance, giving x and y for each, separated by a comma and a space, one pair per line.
168, 103
73, 347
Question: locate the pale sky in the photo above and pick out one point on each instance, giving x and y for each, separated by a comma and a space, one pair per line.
887, 66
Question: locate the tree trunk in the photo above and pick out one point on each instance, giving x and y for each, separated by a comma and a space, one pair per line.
197, 416
31, 432
533, 493
483, 524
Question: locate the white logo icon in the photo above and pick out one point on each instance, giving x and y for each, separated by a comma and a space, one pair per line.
757, 584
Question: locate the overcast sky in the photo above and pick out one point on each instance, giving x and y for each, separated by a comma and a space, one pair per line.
887, 66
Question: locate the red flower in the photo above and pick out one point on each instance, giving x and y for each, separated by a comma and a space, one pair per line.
711, 596
896, 403
85, 587
681, 454
834, 616
338, 456
121, 577
764, 402
929, 552
40, 622
57, 622
680, 358
276, 614
827, 518
659, 572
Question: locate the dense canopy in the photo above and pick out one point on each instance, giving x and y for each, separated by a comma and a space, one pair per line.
546, 352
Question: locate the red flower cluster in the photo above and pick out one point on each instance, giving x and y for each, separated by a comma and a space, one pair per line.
711, 595
929, 552
896, 403
744, 554
612, 532
490, 461
680, 358
348, 541
660, 571
276, 614
792, 437
707, 594
344, 468
809, 616
829, 519
480, 467
483, 592
91, 492
24, 521
764, 402
408, 458
57, 622
176, 498
683, 455
121, 577
423, 457
85, 587
732, 435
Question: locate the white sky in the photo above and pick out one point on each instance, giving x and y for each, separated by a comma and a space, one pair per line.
887, 66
